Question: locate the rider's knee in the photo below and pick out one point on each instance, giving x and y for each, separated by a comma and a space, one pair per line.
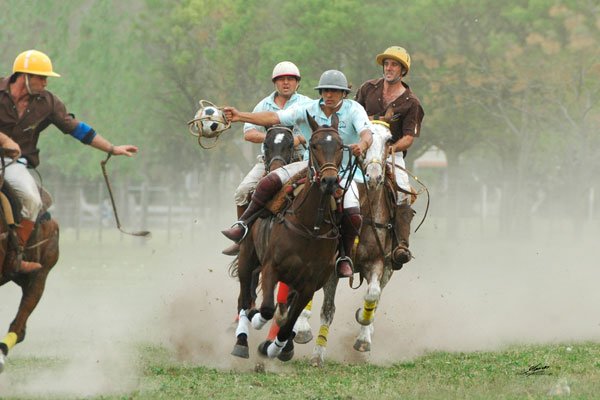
32, 205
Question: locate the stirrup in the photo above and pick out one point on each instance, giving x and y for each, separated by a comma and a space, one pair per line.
244, 226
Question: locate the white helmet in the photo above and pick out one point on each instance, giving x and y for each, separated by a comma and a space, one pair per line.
285, 68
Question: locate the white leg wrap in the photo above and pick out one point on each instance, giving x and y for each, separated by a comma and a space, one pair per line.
302, 324
275, 348
258, 321
243, 324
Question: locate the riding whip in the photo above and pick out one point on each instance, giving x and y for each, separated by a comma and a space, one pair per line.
112, 201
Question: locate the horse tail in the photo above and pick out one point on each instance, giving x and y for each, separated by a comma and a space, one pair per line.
233, 268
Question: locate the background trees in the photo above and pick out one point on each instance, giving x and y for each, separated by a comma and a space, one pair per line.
511, 89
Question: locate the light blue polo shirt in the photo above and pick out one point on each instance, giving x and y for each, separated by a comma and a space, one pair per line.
268, 104
352, 118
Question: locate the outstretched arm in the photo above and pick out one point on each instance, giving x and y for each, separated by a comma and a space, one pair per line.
263, 118
101, 143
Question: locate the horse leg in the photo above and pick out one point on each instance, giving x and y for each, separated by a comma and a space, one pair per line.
32, 288
32, 285
283, 347
366, 315
246, 266
240, 349
281, 313
302, 327
267, 307
327, 313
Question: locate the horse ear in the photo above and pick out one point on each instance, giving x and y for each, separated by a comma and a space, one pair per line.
311, 121
335, 121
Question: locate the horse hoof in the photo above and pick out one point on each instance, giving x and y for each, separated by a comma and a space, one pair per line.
262, 348
316, 361
240, 351
288, 352
361, 346
303, 337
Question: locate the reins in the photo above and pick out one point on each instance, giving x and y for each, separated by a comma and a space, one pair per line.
398, 188
315, 171
372, 223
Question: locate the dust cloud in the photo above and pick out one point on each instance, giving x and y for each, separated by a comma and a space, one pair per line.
109, 304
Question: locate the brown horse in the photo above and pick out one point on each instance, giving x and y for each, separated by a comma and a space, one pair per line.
372, 259
41, 247
297, 247
278, 151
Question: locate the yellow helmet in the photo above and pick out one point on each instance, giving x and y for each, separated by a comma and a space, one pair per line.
34, 62
395, 53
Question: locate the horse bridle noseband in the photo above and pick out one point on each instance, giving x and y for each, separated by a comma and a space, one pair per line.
314, 169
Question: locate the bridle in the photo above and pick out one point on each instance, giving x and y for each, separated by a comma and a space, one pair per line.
315, 170
288, 132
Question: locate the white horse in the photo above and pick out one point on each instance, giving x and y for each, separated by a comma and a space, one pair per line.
372, 259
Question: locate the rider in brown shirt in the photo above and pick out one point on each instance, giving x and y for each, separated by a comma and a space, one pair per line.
379, 96
26, 109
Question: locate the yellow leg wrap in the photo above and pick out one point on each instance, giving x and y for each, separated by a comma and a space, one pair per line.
308, 306
10, 340
322, 338
369, 310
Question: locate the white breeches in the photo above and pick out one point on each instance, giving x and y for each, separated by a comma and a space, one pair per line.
401, 178
26, 188
286, 172
249, 183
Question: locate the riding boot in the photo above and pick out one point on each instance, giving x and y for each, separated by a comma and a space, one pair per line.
234, 249
351, 224
24, 230
265, 190
401, 254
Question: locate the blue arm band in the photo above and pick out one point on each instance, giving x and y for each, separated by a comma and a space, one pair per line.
84, 133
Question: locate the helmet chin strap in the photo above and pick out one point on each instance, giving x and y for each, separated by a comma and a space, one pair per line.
27, 84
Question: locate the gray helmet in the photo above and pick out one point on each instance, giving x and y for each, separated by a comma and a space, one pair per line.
333, 79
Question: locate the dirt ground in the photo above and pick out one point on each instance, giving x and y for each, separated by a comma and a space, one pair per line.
478, 292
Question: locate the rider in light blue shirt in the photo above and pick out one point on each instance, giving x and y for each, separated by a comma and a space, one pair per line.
354, 129
286, 78
352, 121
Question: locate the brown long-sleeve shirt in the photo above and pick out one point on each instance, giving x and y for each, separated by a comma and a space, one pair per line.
408, 113
43, 109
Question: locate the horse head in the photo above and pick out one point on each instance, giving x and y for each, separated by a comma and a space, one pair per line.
278, 146
325, 154
374, 163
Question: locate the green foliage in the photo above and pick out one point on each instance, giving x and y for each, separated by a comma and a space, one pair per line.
518, 79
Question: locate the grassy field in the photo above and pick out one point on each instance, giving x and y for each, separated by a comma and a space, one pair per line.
126, 320
532, 372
